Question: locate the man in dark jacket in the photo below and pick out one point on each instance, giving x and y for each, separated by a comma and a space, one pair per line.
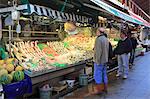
110, 53
132, 53
123, 49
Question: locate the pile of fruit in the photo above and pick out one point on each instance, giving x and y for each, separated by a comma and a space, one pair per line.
113, 42
32, 56
10, 72
36, 56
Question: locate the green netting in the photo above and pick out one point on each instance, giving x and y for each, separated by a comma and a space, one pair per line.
59, 65
66, 44
34, 65
41, 46
51, 55
62, 65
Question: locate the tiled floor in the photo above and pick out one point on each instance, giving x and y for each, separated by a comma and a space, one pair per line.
137, 86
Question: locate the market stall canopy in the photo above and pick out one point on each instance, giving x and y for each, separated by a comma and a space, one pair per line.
116, 12
139, 18
29, 9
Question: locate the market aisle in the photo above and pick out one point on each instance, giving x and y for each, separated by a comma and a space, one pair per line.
137, 86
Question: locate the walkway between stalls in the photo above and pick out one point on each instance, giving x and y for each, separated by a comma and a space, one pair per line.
137, 86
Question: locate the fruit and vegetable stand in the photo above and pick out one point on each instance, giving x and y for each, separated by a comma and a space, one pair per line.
49, 62
53, 61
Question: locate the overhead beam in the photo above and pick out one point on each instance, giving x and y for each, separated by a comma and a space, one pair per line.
96, 8
67, 4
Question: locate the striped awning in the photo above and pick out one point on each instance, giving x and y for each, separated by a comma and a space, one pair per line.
29, 9
44, 11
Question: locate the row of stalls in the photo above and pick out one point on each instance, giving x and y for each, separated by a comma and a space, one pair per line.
51, 46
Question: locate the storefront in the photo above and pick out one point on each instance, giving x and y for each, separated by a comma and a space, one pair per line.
53, 46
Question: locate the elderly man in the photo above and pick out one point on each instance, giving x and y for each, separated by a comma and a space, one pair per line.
101, 50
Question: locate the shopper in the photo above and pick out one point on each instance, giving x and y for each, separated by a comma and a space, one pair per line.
132, 53
101, 50
123, 49
110, 53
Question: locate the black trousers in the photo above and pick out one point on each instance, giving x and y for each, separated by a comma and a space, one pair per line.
132, 56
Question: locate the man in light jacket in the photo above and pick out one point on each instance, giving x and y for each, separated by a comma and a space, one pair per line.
101, 50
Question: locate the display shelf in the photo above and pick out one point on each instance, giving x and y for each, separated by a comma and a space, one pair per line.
32, 38
35, 32
34, 74
58, 72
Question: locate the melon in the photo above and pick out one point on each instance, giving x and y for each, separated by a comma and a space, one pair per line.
4, 65
18, 76
5, 79
3, 71
19, 68
10, 67
2, 62
12, 73
1, 67
9, 60
10, 77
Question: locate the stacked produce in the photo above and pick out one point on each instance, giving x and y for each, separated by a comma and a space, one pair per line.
114, 42
31, 56
10, 72
40, 57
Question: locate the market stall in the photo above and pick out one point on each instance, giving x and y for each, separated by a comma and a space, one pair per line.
47, 61
53, 46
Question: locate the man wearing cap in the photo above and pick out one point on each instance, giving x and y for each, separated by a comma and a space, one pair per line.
124, 47
101, 50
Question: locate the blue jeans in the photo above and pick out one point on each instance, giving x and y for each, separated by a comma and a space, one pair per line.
100, 74
123, 64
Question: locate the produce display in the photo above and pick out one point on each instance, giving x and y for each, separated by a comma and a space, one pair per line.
10, 72
40, 57
113, 42
113, 36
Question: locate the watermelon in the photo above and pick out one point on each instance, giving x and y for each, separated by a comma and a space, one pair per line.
18, 76
5, 79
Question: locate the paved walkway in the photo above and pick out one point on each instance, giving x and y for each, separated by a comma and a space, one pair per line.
137, 86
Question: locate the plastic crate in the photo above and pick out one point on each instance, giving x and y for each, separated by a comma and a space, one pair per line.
16, 89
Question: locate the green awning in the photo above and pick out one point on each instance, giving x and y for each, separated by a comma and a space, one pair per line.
117, 12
